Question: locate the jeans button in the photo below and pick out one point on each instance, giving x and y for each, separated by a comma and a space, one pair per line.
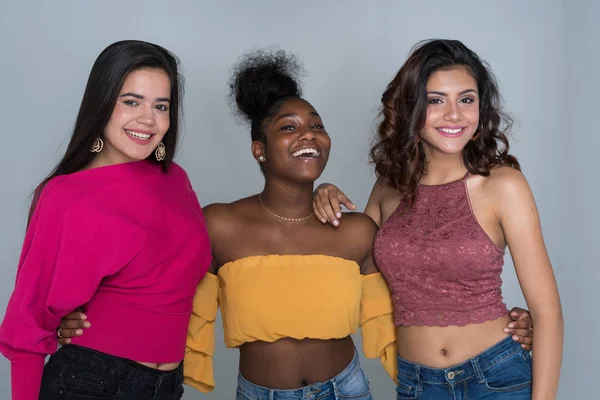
451, 375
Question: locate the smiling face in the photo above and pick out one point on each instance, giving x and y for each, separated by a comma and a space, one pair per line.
452, 111
297, 144
140, 118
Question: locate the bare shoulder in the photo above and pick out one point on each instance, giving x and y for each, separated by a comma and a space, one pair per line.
222, 218
381, 190
358, 228
506, 181
509, 192
357, 220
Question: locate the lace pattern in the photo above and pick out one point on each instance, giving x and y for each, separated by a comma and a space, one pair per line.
441, 267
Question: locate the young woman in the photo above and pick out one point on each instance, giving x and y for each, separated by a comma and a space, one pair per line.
449, 198
116, 227
290, 289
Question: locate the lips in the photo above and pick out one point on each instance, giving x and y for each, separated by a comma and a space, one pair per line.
452, 131
138, 135
307, 152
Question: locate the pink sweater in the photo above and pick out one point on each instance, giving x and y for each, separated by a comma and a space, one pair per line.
129, 243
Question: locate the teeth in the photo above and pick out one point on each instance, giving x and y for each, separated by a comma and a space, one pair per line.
314, 152
138, 135
451, 131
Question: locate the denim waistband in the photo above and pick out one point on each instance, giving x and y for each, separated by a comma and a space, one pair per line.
473, 367
127, 371
315, 389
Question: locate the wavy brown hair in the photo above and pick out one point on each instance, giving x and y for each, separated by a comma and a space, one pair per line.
397, 153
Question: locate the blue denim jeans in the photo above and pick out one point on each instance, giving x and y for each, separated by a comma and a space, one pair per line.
351, 383
79, 373
501, 372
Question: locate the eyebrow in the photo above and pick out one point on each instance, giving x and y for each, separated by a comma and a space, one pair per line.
313, 113
140, 97
446, 94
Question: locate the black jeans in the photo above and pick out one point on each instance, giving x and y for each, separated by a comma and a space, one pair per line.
77, 373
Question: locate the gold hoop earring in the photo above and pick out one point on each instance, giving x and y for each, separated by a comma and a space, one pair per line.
97, 146
160, 152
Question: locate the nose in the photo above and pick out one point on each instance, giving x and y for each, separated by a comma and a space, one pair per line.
452, 112
306, 134
146, 116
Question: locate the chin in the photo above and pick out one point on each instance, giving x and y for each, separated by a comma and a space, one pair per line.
138, 156
449, 148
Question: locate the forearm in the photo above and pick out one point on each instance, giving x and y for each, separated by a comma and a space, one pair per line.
26, 377
547, 355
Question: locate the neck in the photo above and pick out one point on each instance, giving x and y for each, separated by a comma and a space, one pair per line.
443, 168
289, 201
108, 157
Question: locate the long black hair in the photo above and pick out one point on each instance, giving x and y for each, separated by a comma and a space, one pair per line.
101, 92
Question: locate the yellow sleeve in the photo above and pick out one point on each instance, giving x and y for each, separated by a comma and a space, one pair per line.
200, 345
377, 322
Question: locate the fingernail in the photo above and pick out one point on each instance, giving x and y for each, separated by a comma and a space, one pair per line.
523, 346
338, 214
511, 325
515, 338
78, 331
86, 324
336, 222
83, 316
506, 330
324, 221
68, 341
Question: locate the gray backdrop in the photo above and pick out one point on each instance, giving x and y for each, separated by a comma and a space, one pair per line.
545, 54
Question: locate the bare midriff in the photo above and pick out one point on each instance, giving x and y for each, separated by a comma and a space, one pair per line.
160, 367
292, 363
443, 347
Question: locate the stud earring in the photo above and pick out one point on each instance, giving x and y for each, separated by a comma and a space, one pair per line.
97, 146
261, 159
160, 152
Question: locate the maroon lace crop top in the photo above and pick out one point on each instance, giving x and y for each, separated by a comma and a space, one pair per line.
440, 265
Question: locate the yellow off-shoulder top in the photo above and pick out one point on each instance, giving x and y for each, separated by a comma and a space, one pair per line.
270, 297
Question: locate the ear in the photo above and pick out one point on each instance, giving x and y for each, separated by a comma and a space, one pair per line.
258, 151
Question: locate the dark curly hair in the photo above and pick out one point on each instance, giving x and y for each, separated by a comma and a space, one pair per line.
397, 153
259, 84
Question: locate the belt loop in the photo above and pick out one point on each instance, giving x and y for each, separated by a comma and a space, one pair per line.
478, 372
418, 378
334, 384
271, 394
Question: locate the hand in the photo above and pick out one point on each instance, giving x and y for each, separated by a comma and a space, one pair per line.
71, 325
326, 203
521, 327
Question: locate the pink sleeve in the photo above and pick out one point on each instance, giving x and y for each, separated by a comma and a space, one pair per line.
60, 268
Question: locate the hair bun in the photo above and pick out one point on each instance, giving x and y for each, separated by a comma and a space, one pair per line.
261, 78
